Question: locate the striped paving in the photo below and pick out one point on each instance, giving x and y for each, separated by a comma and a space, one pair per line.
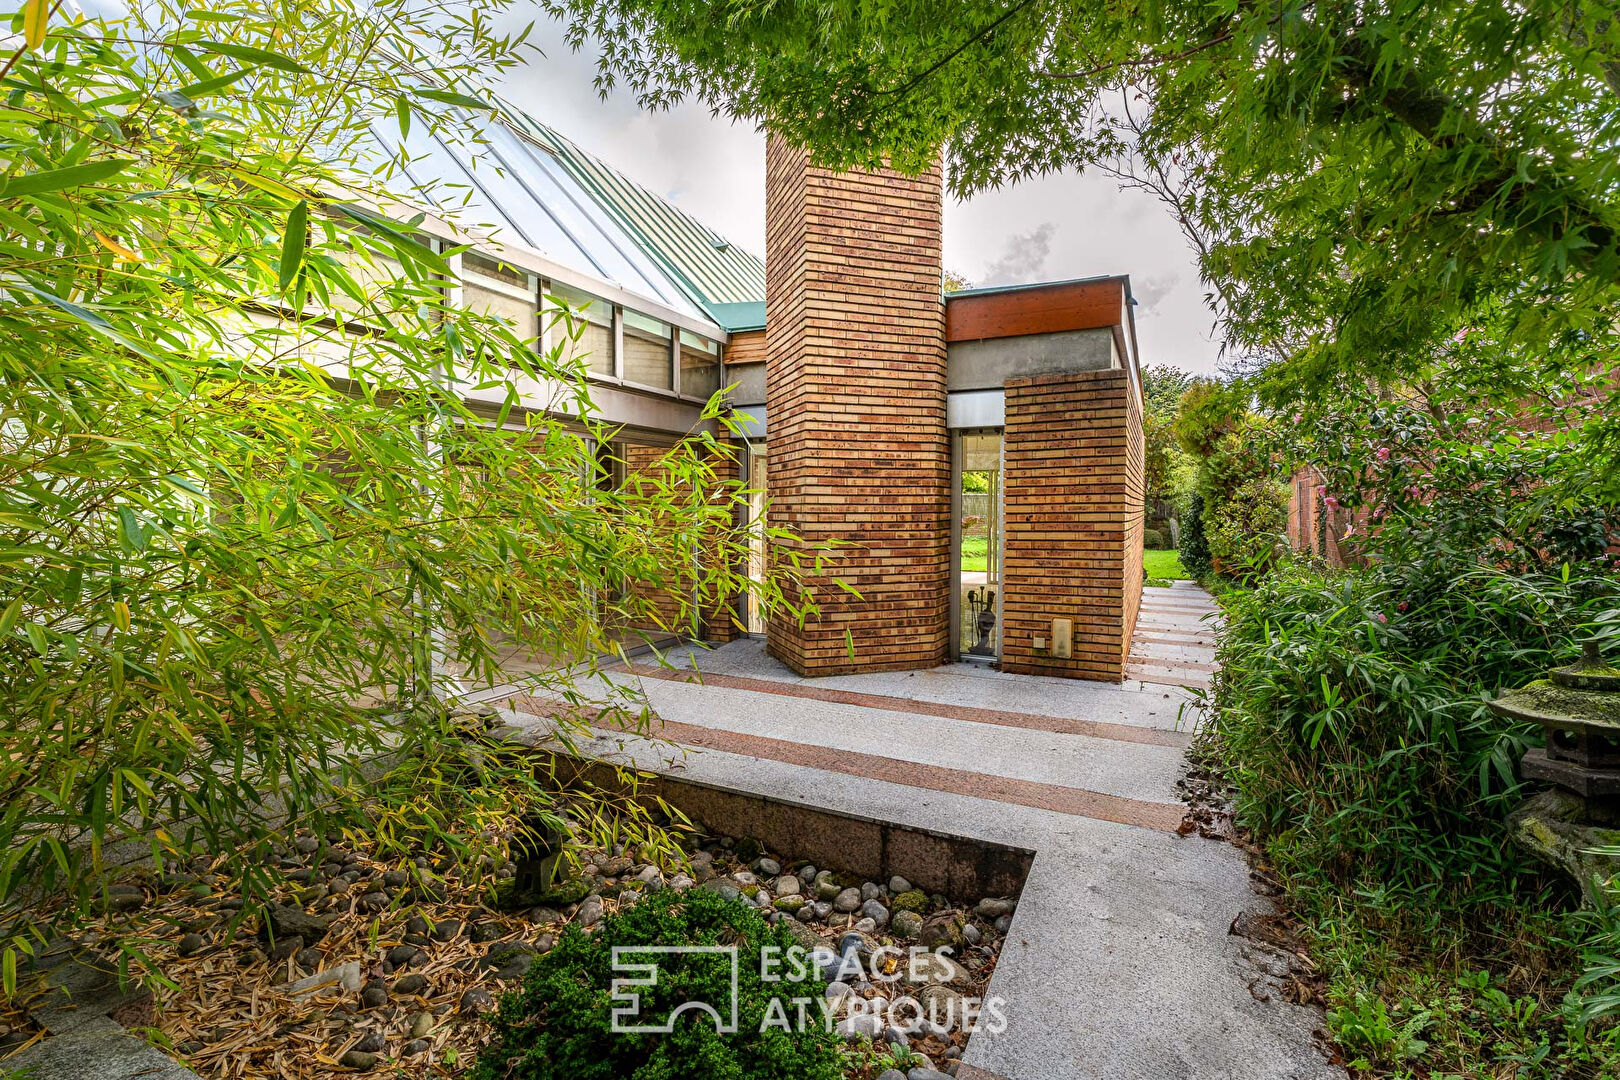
1031, 721
1059, 798
1101, 751
1174, 643
1119, 964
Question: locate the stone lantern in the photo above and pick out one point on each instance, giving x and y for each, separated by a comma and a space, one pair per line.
1579, 708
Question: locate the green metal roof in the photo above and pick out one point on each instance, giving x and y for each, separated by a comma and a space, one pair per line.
737, 317
716, 274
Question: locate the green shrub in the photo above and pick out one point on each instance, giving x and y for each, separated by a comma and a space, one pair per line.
1209, 411
1363, 1026
1153, 539
1194, 546
1351, 717
1238, 458
558, 1027
1246, 531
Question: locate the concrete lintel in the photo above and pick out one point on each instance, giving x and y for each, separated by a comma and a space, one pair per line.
989, 363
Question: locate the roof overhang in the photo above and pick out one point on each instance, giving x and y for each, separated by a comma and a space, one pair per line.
1101, 303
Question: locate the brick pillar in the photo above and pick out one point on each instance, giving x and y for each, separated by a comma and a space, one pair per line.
1073, 503
855, 355
719, 619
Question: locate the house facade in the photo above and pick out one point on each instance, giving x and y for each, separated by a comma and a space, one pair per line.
977, 456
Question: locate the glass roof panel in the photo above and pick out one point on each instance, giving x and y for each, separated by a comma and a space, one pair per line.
551, 186
515, 193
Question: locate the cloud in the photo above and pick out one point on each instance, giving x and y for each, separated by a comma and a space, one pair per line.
1152, 288
1023, 260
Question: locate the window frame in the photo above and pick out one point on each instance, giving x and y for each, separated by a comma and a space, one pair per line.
671, 359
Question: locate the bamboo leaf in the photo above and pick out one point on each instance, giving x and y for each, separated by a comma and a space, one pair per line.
450, 97
36, 18
293, 241
83, 314
249, 54
265, 183
115, 247
48, 180
205, 87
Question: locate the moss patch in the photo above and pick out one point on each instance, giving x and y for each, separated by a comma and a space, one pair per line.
915, 900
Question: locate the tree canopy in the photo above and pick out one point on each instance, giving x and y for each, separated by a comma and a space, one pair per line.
1362, 181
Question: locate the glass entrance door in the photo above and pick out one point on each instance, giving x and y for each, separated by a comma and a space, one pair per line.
978, 546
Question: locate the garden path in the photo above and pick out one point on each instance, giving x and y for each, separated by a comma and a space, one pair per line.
1119, 963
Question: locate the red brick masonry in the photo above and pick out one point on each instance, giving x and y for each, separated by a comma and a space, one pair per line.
855, 355
1074, 492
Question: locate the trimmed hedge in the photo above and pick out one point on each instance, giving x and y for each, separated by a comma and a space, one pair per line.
558, 1027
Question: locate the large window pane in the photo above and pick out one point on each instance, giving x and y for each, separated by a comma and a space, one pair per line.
700, 365
585, 332
648, 351
502, 300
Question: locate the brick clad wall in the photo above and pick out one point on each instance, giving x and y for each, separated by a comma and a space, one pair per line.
670, 598
855, 351
719, 620
668, 606
1073, 505
746, 347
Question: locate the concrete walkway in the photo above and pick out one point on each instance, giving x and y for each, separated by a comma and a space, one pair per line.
1119, 963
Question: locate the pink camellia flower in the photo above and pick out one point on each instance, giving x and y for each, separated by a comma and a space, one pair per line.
1383, 453
1380, 616
1299, 418
1330, 502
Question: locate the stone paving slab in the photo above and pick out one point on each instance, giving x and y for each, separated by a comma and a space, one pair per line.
967, 685
1144, 648
95, 1053
1174, 643
1118, 964
1154, 736
1127, 770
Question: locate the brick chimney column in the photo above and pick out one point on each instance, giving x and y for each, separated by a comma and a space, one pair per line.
855, 400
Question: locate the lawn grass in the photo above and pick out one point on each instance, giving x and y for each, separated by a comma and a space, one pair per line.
974, 549
1163, 567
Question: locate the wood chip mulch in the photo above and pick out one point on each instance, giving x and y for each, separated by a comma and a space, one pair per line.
230, 1014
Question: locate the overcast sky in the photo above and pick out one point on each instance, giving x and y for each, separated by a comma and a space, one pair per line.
1061, 226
